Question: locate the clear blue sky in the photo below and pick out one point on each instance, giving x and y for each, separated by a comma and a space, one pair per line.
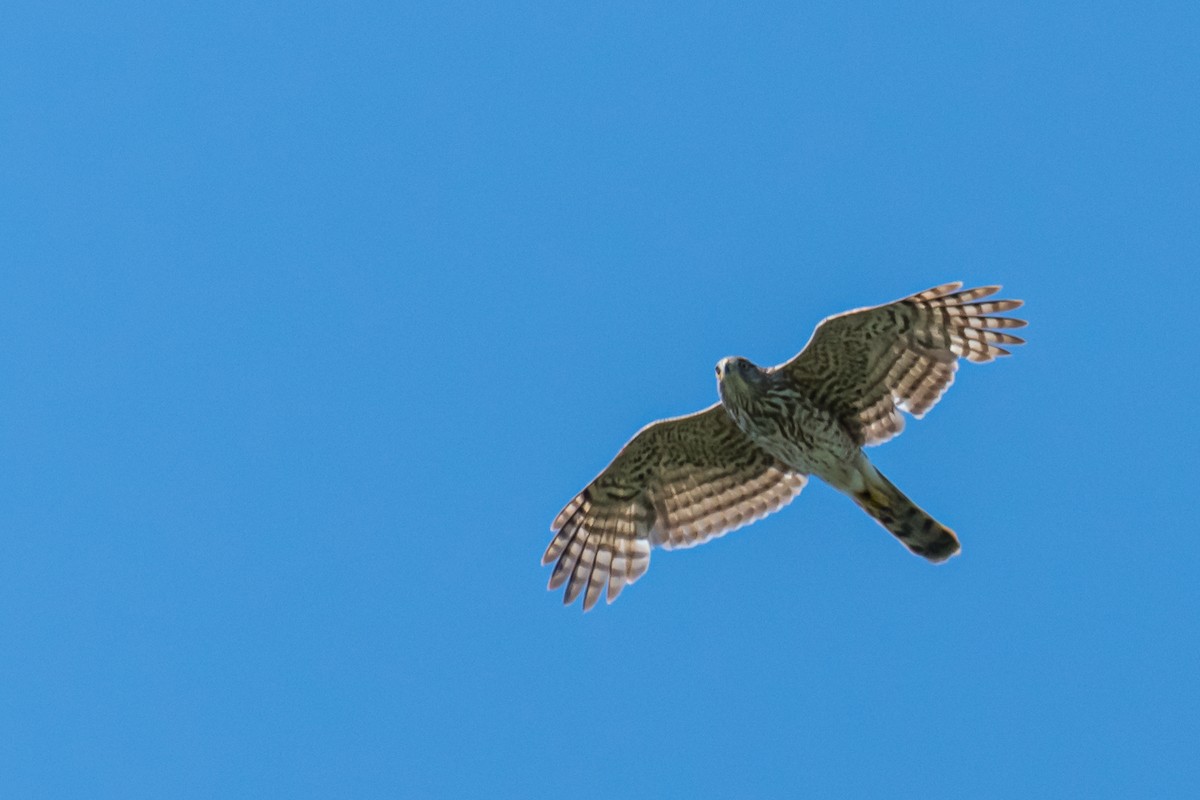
314, 315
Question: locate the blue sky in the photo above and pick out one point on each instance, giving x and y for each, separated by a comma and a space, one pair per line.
314, 315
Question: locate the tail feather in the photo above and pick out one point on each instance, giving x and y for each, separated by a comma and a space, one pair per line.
904, 519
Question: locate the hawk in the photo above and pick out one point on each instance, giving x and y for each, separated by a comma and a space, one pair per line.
680, 482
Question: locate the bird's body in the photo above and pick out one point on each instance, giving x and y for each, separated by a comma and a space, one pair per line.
681, 481
785, 422
788, 424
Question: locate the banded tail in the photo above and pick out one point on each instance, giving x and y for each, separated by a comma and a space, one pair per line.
904, 519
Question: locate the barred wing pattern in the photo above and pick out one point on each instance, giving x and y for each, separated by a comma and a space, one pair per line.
678, 483
867, 364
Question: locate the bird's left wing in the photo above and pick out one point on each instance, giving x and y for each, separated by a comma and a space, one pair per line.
867, 364
679, 482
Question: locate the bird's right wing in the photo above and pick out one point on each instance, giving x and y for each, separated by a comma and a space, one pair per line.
679, 482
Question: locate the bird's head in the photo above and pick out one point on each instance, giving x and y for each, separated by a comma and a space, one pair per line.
737, 375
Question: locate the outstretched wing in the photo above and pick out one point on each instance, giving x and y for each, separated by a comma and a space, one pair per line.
865, 365
678, 483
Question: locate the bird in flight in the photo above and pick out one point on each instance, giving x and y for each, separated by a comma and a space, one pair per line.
682, 481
